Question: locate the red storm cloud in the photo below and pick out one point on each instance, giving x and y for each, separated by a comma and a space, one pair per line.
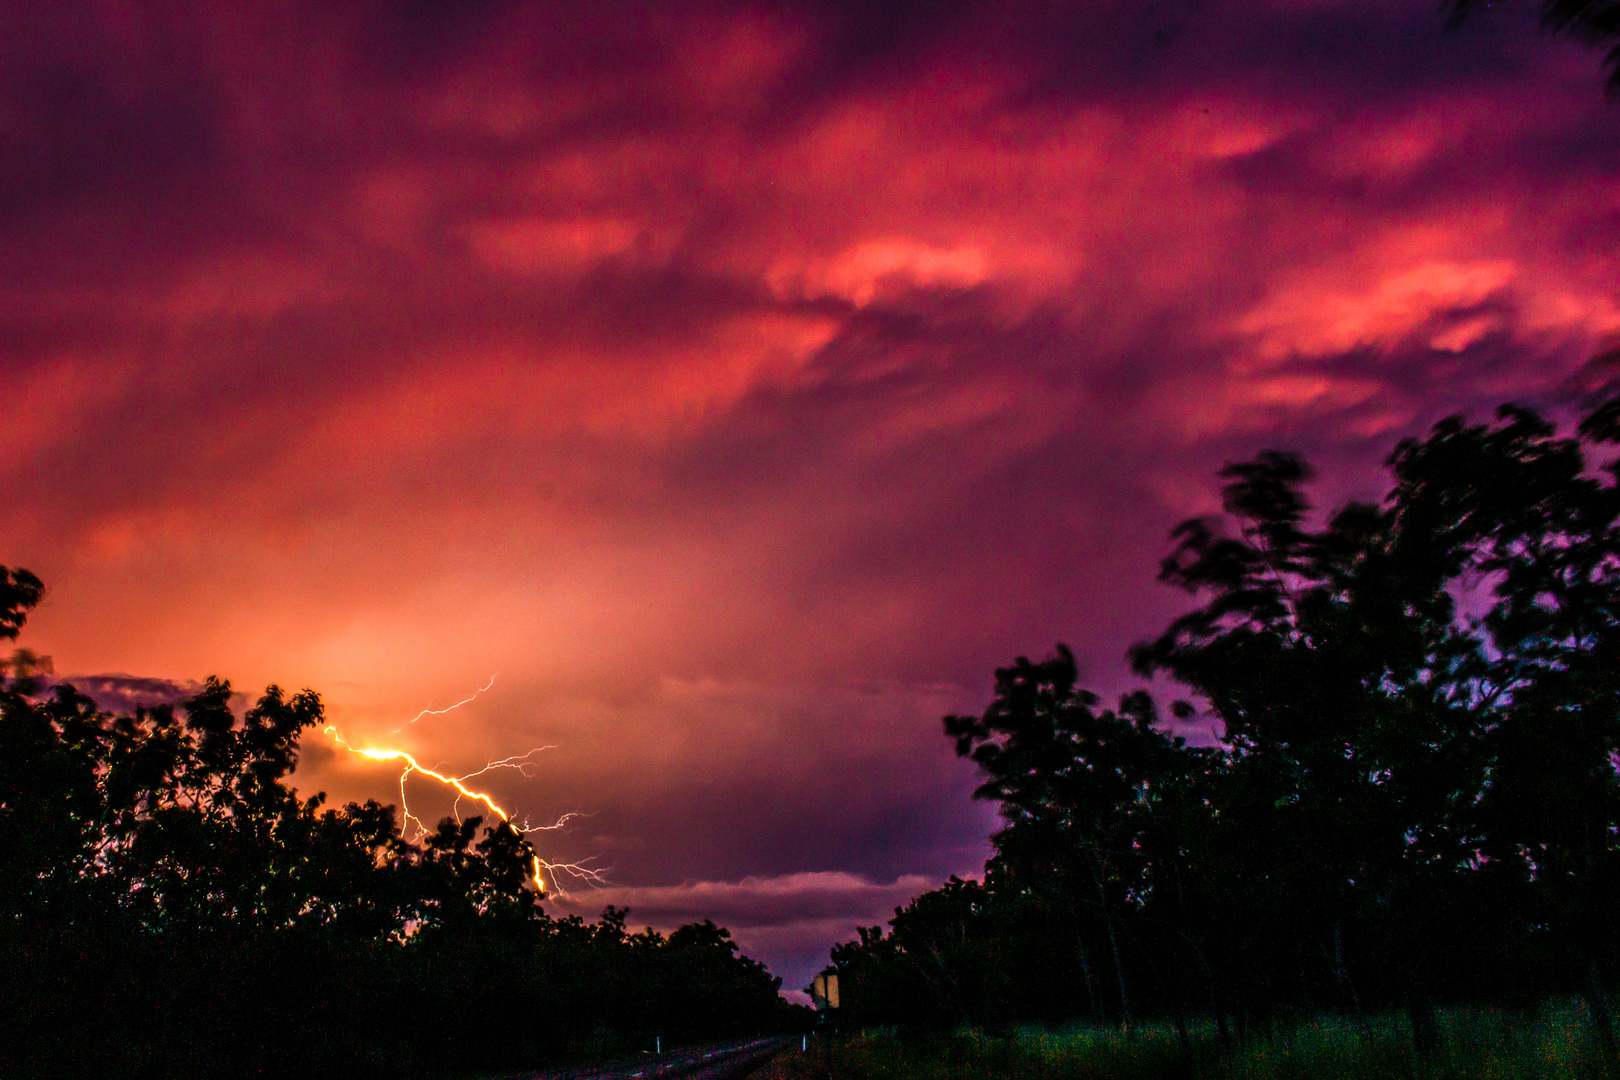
741, 383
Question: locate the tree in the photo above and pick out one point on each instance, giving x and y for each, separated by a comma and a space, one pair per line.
1326, 654
1417, 791
170, 906
1544, 531
20, 591
1073, 785
1593, 22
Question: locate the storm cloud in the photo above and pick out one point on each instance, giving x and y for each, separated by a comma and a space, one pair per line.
741, 382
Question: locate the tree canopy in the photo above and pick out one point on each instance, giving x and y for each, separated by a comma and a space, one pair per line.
1594, 22
1414, 795
170, 906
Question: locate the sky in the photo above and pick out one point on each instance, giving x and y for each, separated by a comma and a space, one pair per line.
715, 394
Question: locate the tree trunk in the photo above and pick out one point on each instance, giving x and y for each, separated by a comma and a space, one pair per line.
1113, 946
1597, 1007
1178, 1014
1304, 976
1119, 977
1347, 987
1091, 986
1420, 1012
1217, 1009
1085, 964
1178, 1017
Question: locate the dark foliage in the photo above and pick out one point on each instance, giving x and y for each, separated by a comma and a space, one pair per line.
1594, 22
1416, 797
19, 592
169, 907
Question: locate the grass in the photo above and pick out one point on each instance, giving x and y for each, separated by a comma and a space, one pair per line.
1552, 1044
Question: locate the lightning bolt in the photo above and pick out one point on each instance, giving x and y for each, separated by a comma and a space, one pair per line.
541, 868
452, 708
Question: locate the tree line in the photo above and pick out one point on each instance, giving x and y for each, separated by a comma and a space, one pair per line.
170, 906
1414, 798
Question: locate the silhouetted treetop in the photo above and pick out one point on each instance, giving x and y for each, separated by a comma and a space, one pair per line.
1414, 796
20, 591
170, 906
1594, 22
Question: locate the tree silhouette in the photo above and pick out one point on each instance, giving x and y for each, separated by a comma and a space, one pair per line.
170, 907
1594, 22
1073, 784
1546, 532
1416, 795
20, 591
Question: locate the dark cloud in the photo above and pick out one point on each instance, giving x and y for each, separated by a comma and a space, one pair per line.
755, 901
790, 919
127, 693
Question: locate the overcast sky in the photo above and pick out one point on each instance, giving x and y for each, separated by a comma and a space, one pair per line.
737, 384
